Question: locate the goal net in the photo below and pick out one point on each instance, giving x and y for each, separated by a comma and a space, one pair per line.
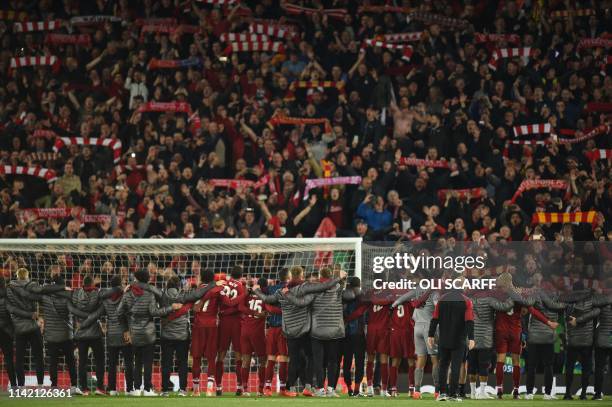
163, 258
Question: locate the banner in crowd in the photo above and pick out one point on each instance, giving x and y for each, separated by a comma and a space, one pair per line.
68, 39
529, 184
35, 171
31, 26
423, 162
296, 10
114, 145
564, 217
78, 213
298, 121
462, 194
324, 182
173, 63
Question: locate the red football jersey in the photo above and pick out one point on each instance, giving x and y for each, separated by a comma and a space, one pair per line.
234, 292
252, 323
509, 321
207, 309
378, 316
401, 317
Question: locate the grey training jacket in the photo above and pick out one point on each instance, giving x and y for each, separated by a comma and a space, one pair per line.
538, 332
603, 332
6, 325
585, 313
485, 309
21, 307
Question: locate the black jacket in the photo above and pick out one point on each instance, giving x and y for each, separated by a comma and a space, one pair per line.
454, 315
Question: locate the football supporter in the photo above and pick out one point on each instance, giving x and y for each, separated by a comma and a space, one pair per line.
454, 316
229, 327
253, 337
139, 306
276, 343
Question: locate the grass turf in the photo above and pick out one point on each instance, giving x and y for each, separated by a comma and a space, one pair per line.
231, 401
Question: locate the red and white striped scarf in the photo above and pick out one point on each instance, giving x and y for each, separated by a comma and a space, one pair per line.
243, 37
528, 184
423, 162
321, 182
13, 15
597, 131
266, 46
599, 154
48, 60
115, 145
406, 50
68, 39
403, 37
296, 10
528, 129
239, 183
498, 54
35, 171
474, 193
510, 38
272, 30
78, 213
572, 13
383, 9
529, 142
430, 18
30, 26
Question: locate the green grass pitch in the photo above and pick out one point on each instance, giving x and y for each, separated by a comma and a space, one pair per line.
231, 401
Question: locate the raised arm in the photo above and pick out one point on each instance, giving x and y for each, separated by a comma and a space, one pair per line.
302, 301
551, 303
44, 289
498, 305
314, 288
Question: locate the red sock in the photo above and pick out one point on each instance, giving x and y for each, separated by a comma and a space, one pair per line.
283, 372
393, 377
499, 374
516, 376
239, 381
411, 376
384, 375
196, 370
219, 373
269, 372
261, 373
244, 377
370, 372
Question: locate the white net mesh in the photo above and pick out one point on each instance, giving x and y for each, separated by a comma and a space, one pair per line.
103, 259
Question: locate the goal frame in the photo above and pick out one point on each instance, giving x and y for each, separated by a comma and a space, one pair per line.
46, 245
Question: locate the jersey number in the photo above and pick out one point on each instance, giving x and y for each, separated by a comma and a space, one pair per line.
377, 308
202, 306
255, 305
229, 292
400, 311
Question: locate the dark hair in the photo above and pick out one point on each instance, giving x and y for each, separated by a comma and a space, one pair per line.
236, 272
173, 282
207, 276
354, 282
88, 281
142, 275
115, 281
283, 275
262, 282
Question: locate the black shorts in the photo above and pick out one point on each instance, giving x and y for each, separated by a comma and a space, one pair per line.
479, 361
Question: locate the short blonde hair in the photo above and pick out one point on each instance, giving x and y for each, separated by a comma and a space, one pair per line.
325, 272
296, 272
22, 273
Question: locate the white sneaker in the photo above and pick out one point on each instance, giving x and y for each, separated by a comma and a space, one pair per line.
181, 393
319, 392
113, 393
455, 399
331, 392
75, 391
150, 393
528, 396
370, 391
135, 393
549, 397
482, 395
385, 393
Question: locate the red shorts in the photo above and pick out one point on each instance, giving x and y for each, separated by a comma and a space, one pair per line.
377, 341
401, 344
508, 342
229, 332
276, 343
250, 343
204, 342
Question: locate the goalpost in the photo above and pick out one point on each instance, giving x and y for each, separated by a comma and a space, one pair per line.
104, 258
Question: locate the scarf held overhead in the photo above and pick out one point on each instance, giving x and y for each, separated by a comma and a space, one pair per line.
35, 171
528, 184
114, 145
323, 182
564, 217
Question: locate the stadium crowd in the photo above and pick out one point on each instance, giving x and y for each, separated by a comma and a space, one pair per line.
155, 118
